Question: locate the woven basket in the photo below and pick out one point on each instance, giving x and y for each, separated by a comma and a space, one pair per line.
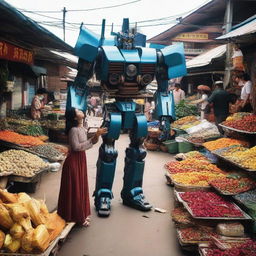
151, 146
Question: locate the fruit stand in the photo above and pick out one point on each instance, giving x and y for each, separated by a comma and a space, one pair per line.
212, 195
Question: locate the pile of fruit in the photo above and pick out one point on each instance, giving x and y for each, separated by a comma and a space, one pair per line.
191, 165
200, 179
246, 123
209, 204
21, 163
191, 154
22, 140
237, 116
28, 227
244, 157
195, 234
183, 121
181, 216
232, 184
222, 143
246, 249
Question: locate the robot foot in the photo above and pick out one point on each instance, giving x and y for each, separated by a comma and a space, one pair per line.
103, 203
137, 200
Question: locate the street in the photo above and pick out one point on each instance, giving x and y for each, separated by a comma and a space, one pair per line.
127, 231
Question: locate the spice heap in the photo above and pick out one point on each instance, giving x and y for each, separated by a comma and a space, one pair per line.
209, 204
196, 234
184, 121
191, 165
232, 184
246, 123
28, 227
23, 140
246, 249
242, 156
201, 179
237, 116
181, 216
222, 143
48, 152
21, 163
247, 197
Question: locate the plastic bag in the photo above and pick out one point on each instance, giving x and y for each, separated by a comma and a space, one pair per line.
235, 229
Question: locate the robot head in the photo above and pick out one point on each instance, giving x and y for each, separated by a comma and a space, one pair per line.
125, 40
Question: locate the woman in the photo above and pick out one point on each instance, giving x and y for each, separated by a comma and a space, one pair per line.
37, 104
204, 108
74, 204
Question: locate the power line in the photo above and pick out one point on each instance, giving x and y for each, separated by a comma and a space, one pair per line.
83, 10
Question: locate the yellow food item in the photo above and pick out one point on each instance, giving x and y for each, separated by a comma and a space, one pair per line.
5, 218
2, 238
26, 241
17, 211
41, 238
7, 197
17, 231
23, 197
34, 209
7, 240
14, 246
26, 223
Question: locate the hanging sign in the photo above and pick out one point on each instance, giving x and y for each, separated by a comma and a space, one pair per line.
194, 36
14, 53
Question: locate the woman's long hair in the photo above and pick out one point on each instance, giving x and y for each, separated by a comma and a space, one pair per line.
71, 121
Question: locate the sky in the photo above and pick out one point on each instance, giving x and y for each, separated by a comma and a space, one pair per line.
152, 16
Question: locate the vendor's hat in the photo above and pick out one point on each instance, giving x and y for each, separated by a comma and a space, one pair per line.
203, 87
218, 82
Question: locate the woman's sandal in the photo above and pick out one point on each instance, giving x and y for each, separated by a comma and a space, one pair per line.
86, 222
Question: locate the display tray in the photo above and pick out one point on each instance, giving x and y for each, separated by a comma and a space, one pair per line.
236, 130
187, 188
53, 247
10, 144
231, 162
244, 217
3, 174
19, 178
187, 243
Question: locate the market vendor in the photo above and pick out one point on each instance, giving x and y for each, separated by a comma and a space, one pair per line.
204, 91
38, 104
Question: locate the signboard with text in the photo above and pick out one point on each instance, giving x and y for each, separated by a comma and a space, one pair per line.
14, 53
192, 36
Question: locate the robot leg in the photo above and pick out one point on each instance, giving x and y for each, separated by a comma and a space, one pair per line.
132, 193
106, 165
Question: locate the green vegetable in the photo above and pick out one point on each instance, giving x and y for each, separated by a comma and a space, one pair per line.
183, 109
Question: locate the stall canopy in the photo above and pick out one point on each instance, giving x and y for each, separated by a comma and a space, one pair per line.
23, 31
246, 28
207, 58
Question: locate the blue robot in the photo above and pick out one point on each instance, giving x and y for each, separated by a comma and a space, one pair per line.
124, 66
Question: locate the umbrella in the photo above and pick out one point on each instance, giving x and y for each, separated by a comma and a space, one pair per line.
203, 87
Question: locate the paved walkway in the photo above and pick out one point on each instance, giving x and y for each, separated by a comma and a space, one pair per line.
127, 232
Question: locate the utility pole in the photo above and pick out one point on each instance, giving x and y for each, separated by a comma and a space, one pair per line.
63, 23
228, 25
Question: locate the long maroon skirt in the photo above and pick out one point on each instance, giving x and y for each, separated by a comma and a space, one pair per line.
74, 203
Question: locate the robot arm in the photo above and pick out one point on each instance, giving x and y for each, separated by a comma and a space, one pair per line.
171, 64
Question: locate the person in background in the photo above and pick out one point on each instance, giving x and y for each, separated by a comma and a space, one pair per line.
220, 100
73, 203
204, 110
147, 110
246, 93
38, 104
178, 93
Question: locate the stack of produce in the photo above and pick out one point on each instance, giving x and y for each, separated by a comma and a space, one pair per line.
54, 124
233, 184
181, 217
182, 109
242, 156
185, 121
237, 116
191, 154
198, 179
21, 163
246, 123
22, 140
249, 200
209, 204
246, 249
191, 165
31, 130
222, 143
62, 149
26, 224
48, 152
195, 234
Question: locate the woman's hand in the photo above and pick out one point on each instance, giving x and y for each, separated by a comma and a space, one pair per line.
101, 131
